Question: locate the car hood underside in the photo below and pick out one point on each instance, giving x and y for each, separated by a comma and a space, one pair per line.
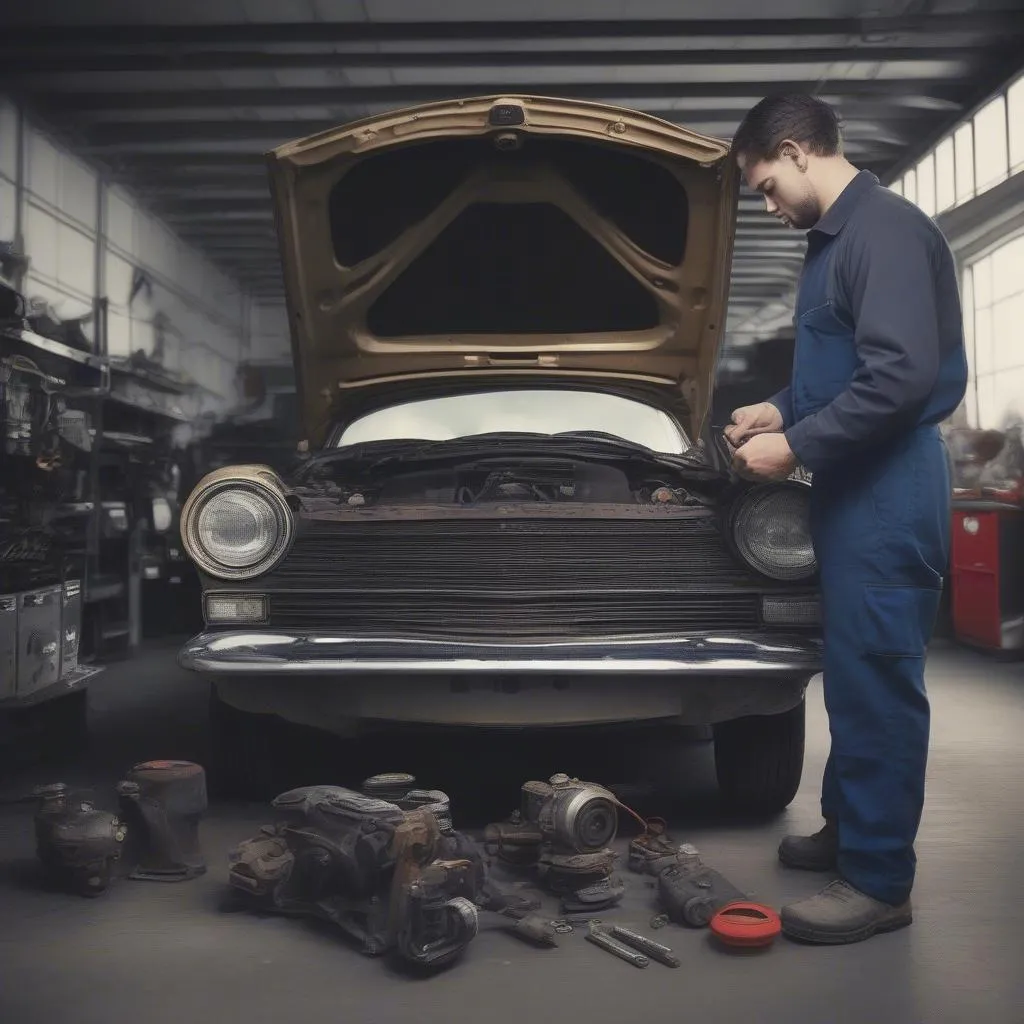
504, 235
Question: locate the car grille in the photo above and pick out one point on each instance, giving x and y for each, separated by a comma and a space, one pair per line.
518, 578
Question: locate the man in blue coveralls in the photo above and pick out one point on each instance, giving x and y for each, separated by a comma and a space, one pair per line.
879, 362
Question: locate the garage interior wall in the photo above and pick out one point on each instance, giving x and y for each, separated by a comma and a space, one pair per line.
269, 335
86, 239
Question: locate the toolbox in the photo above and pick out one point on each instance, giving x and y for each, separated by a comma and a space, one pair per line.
70, 627
988, 575
39, 639
8, 645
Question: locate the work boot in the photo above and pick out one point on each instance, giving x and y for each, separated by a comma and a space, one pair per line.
812, 853
839, 914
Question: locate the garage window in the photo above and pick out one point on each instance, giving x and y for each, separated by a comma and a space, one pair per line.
991, 158
1015, 119
910, 186
945, 177
963, 142
926, 185
994, 314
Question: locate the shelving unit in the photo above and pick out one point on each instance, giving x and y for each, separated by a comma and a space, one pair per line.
133, 409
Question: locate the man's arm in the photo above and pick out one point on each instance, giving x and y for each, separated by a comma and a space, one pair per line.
891, 292
783, 401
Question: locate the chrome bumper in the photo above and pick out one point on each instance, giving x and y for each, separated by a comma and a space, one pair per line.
320, 654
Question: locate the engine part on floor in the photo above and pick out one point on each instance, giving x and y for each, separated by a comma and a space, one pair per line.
77, 844
400, 788
659, 921
163, 802
655, 950
746, 924
392, 876
389, 786
690, 891
562, 829
652, 845
434, 921
536, 930
599, 936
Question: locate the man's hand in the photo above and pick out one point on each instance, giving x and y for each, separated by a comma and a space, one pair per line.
762, 418
765, 457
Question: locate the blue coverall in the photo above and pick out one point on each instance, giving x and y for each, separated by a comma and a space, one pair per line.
879, 362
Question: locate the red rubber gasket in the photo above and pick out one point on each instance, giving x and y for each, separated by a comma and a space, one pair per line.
746, 924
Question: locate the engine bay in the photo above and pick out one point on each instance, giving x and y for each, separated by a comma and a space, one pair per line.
478, 473
499, 480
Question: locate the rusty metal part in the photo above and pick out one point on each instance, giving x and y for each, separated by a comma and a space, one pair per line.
655, 950
536, 930
654, 844
659, 920
599, 937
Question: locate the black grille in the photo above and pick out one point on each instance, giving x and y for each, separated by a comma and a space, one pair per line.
511, 578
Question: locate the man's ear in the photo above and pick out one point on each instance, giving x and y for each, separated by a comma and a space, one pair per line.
791, 150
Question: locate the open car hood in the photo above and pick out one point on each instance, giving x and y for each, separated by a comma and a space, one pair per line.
504, 234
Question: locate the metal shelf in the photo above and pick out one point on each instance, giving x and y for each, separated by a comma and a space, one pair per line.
54, 348
103, 590
151, 378
153, 410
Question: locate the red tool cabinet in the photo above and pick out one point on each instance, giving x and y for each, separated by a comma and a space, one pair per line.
987, 563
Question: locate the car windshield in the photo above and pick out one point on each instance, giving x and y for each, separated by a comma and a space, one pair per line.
549, 411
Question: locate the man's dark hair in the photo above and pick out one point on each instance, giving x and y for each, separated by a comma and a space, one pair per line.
797, 116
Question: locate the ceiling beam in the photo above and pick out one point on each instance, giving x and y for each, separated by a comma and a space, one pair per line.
27, 66
176, 217
207, 192
75, 36
198, 201
198, 162
944, 91
263, 135
248, 233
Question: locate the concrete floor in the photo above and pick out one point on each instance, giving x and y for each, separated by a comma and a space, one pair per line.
171, 953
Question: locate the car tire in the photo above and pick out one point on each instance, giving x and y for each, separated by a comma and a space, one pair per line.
759, 760
242, 762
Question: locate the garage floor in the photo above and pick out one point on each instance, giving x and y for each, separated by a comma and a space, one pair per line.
172, 954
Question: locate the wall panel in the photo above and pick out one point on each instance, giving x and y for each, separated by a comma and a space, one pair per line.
8, 139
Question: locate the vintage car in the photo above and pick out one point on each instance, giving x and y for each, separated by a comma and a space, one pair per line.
514, 511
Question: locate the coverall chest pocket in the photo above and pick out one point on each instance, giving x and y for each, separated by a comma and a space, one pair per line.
825, 358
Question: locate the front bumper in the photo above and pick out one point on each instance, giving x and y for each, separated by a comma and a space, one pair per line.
239, 653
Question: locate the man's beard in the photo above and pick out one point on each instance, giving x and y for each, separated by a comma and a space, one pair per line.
804, 214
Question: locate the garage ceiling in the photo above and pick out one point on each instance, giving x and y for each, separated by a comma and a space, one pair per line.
182, 105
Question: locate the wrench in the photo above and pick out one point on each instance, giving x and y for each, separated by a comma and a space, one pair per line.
601, 938
655, 950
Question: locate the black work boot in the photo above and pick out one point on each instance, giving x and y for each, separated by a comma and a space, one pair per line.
812, 853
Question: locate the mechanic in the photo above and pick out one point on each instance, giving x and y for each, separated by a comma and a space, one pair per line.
879, 362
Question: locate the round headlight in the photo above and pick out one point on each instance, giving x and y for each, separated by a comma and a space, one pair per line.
771, 531
236, 529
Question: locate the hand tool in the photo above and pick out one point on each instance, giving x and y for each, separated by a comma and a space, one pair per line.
655, 950
599, 937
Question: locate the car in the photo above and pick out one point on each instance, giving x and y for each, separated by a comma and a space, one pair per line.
512, 509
